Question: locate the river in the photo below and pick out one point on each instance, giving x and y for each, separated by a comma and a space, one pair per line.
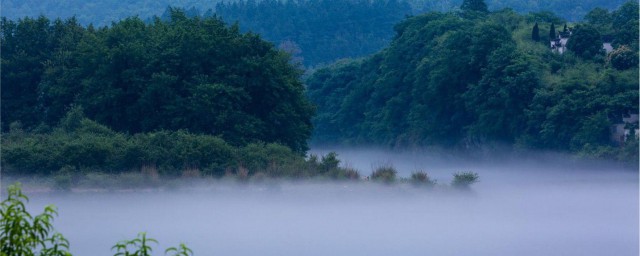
542, 205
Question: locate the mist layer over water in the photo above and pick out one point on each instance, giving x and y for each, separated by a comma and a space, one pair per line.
525, 206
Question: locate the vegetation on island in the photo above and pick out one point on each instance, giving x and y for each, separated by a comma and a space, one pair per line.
193, 74
472, 78
79, 146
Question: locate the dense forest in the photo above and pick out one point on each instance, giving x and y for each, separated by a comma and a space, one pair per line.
135, 77
474, 77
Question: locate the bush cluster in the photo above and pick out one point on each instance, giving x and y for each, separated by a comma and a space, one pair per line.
79, 145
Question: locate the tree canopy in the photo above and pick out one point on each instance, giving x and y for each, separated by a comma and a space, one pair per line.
474, 5
196, 74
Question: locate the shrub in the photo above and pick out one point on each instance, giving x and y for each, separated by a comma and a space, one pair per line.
385, 174
330, 161
623, 58
22, 234
464, 179
139, 246
181, 250
421, 178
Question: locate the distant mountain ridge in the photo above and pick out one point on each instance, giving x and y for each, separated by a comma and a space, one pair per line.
106, 11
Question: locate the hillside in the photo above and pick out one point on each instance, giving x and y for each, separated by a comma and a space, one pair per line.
472, 78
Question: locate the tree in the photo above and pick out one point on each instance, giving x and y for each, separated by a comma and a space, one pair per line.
499, 100
535, 33
474, 5
600, 19
552, 32
585, 42
623, 58
625, 23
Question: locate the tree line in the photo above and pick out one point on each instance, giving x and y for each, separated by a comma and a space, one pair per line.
316, 31
474, 77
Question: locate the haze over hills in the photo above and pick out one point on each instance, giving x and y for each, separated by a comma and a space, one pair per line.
104, 12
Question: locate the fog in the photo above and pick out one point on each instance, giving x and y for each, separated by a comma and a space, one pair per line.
541, 204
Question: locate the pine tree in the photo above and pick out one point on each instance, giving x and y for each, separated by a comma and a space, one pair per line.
535, 33
564, 30
552, 32
474, 5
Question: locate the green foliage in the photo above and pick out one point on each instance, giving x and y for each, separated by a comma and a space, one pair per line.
330, 161
600, 19
625, 23
139, 246
586, 42
412, 92
141, 77
577, 108
463, 180
546, 17
74, 157
22, 234
623, 58
181, 250
460, 82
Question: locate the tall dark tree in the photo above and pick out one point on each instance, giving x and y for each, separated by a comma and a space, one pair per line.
552, 32
535, 33
474, 5
586, 41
